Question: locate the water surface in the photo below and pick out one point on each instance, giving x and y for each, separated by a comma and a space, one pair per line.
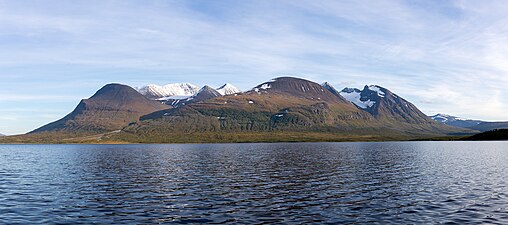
407, 182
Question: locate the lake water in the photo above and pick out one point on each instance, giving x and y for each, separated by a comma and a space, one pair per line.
392, 182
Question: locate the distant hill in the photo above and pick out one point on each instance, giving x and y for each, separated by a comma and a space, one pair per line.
455, 121
501, 134
469, 123
486, 126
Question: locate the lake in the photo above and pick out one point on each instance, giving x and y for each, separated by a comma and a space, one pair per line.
391, 182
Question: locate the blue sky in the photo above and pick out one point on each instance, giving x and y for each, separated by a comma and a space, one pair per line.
444, 56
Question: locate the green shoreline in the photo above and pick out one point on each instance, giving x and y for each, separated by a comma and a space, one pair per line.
211, 137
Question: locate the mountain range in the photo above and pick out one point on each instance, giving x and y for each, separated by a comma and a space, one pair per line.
478, 125
282, 109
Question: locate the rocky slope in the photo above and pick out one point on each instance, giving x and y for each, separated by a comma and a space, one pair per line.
111, 108
384, 104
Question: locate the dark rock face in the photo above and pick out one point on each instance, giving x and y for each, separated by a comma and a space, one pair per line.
111, 108
383, 104
331, 89
390, 105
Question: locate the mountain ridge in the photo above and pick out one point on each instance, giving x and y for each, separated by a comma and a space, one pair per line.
478, 125
281, 105
153, 91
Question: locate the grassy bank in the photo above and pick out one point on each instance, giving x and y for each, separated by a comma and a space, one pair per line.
118, 137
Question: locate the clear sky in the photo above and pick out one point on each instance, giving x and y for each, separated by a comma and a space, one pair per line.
444, 56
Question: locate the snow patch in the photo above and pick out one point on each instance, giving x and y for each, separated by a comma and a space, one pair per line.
176, 97
176, 89
228, 89
265, 86
354, 97
378, 90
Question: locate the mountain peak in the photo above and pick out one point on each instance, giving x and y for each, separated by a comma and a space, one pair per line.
114, 90
334, 91
297, 87
154, 91
381, 102
380, 91
228, 89
455, 121
110, 108
206, 92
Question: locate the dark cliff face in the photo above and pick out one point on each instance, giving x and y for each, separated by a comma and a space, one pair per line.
332, 90
384, 104
111, 108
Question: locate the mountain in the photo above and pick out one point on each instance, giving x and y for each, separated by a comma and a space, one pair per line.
289, 104
332, 90
286, 103
110, 108
383, 104
1, 135
205, 93
469, 123
228, 89
455, 121
153, 91
282, 109
297, 87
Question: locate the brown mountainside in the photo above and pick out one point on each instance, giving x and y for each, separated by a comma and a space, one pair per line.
111, 108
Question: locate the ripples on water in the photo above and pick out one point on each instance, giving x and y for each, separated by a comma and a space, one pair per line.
411, 182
